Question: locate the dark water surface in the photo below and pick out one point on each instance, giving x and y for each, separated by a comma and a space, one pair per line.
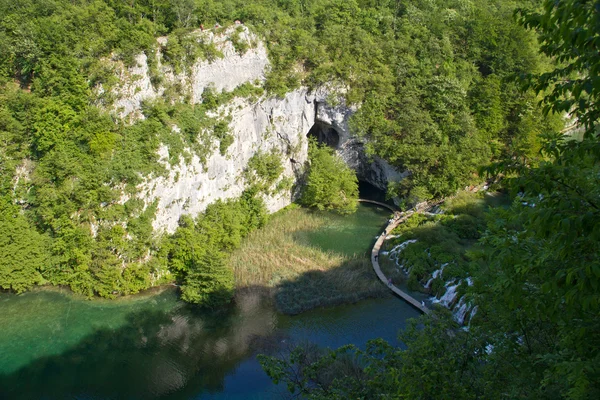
54, 345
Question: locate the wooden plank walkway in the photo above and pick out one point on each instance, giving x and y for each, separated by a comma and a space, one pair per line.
375, 261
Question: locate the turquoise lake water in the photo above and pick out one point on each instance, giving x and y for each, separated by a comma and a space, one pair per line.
54, 345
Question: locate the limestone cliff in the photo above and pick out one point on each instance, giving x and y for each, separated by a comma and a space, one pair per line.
266, 124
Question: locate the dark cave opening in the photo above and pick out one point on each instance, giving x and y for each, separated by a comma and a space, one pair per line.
324, 134
368, 191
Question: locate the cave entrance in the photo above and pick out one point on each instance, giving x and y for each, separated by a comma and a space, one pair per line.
324, 134
368, 191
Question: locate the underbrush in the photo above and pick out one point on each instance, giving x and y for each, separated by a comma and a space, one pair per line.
301, 276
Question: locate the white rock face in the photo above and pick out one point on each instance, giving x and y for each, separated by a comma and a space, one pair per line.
233, 69
222, 73
136, 87
279, 124
269, 124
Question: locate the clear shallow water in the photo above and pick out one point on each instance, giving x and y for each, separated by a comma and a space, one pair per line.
57, 346
349, 234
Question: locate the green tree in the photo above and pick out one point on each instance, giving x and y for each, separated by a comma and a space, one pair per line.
209, 280
197, 251
331, 184
23, 251
545, 247
568, 33
184, 10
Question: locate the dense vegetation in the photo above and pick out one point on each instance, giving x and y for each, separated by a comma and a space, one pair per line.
536, 332
65, 162
433, 79
447, 242
330, 183
197, 251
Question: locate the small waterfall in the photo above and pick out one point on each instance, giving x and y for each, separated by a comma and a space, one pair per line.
463, 310
428, 284
448, 298
473, 312
441, 270
460, 311
436, 273
395, 252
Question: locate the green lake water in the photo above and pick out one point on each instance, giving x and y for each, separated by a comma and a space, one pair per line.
350, 234
54, 345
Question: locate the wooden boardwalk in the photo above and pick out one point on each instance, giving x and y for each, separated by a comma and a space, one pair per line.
378, 203
375, 261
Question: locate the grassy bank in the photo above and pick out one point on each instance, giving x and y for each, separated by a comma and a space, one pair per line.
299, 274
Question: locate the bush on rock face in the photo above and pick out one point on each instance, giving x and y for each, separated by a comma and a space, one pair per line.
331, 184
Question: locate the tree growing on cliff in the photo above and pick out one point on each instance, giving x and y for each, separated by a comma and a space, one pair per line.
331, 184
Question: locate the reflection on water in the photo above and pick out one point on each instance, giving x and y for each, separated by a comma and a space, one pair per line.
145, 349
167, 350
57, 346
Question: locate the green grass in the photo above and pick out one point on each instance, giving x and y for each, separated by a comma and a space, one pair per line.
302, 271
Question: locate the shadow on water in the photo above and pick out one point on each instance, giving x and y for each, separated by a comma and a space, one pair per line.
351, 236
156, 354
352, 281
173, 351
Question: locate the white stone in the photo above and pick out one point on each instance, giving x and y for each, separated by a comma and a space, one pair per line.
190, 188
222, 73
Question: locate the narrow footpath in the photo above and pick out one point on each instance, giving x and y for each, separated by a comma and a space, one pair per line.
375, 261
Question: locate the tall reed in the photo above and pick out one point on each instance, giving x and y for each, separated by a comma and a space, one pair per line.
300, 275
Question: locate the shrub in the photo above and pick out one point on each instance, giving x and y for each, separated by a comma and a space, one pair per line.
209, 281
331, 184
